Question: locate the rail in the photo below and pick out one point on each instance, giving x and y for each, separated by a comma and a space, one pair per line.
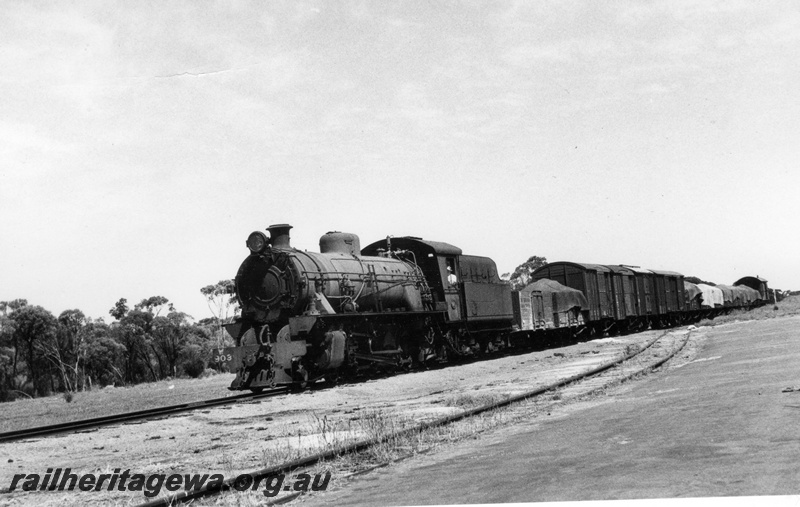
96, 422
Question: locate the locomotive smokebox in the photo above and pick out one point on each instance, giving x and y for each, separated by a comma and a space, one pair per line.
340, 242
279, 235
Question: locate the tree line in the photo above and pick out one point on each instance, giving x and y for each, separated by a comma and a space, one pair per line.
521, 276
41, 354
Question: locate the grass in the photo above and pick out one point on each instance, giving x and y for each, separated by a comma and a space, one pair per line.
467, 401
335, 433
59, 408
631, 348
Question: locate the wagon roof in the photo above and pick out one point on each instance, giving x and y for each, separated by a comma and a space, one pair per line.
667, 273
637, 269
619, 269
745, 278
594, 267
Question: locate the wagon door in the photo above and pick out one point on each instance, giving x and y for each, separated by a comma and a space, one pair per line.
604, 293
661, 294
628, 284
671, 288
646, 293
619, 296
537, 310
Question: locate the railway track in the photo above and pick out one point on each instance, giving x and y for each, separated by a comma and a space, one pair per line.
97, 422
634, 362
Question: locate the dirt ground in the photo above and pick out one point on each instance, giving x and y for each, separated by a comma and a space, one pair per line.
246, 437
721, 425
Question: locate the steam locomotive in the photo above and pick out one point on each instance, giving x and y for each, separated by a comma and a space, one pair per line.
398, 303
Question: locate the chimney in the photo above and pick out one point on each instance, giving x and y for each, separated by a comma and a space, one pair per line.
279, 235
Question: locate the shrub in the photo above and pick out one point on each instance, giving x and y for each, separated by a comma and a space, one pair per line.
209, 372
194, 367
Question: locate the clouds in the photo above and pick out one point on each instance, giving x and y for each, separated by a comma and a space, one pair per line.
23, 140
52, 45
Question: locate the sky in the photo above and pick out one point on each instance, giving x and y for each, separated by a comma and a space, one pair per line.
141, 142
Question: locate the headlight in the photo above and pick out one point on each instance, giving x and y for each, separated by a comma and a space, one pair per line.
257, 241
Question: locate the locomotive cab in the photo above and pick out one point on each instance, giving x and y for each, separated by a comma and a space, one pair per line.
433, 258
467, 287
